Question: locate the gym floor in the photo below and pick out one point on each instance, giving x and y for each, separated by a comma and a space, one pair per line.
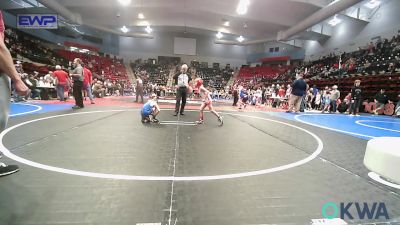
101, 165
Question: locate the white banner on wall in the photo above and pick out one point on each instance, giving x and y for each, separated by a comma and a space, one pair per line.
184, 46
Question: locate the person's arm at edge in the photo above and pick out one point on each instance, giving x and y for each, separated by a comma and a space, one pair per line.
7, 66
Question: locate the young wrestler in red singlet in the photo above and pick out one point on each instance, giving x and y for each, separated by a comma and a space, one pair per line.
207, 102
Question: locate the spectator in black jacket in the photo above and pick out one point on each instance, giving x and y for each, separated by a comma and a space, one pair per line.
32, 83
299, 88
380, 100
235, 95
356, 95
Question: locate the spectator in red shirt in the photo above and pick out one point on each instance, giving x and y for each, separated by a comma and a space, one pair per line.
62, 80
281, 92
87, 83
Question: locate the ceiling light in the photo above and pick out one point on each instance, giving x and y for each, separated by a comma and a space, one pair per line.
143, 23
140, 16
333, 2
148, 29
240, 39
242, 7
125, 2
226, 23
124, 29
75, 29
224, 30
372, 4
334, 21
219, 35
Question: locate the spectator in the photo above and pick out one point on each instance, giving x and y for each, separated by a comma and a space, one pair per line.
327, 102
87, 83
49, 78
299, 88
356, 95
32, 83
335, 95
380, 100
235, 96
98, 90
288, 91
315, 92
41, 82
309, 98
317, 101
343, 106
139, 89
61, 81
263, 98
397, 108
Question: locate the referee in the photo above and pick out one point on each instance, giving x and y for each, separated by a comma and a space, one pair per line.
182, 84
78, 77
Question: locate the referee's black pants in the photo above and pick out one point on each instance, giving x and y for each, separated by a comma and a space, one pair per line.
181, 93
77, 91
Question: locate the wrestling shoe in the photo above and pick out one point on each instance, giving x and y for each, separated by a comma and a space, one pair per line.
7, 170
145, 121
155, 121
200, 122
221, 120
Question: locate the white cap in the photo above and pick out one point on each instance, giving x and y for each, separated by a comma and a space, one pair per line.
58, 67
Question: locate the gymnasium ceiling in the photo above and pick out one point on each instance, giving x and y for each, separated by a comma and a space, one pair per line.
264, 18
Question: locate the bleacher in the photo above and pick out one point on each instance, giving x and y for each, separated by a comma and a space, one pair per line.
268, 72
377, 66
152, 73
113, 69
215, 78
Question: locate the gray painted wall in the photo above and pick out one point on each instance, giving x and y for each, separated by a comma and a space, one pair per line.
163, 45
257, 51
351, 34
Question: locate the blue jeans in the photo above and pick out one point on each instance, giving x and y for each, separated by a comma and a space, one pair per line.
334, 106
89, 92
4, 100
60, 92
303, 104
